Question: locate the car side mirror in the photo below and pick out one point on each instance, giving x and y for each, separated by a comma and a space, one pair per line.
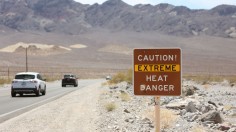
44, 79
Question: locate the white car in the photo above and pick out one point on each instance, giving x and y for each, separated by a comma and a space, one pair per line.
108, 77
28, 82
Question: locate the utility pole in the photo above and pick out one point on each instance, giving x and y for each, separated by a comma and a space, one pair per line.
26, 56
8, 73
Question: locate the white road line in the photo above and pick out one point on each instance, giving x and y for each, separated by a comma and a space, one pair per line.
30, 105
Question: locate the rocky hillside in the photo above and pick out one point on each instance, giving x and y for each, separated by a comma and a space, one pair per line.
70, 17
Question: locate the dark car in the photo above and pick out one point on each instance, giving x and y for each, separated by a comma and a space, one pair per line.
69, 79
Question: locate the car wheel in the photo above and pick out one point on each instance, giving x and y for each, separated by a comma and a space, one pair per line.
75, 85
38, 92
21, 94
44, 91
63, 85
13, 94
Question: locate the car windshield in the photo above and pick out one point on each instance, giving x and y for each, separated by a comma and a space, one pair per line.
24, 76
68, 76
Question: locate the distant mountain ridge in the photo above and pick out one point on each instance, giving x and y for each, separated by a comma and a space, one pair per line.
70, 17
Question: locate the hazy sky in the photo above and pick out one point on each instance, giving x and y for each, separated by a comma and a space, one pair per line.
193, 4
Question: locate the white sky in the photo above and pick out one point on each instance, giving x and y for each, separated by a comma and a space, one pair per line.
193, 4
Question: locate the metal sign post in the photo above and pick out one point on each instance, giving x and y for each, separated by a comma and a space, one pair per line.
26, 59
157, 114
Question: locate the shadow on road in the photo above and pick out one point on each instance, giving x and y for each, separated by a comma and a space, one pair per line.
27, 95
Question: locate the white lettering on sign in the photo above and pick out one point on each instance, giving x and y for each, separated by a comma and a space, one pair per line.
154, 78
165, 88
147, 58
161, 78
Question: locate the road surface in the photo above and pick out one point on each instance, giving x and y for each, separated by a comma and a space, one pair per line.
11, 107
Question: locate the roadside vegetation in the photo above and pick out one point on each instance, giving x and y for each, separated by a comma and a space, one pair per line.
206, 79
125, 97
122, 76
198, 129
110, 106
5, 81
168, 118
52, 78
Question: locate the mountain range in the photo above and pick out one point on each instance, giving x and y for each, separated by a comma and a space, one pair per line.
73, 18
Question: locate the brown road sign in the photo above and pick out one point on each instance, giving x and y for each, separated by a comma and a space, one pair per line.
157, 72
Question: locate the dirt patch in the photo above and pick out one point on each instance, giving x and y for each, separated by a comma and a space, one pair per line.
119, 49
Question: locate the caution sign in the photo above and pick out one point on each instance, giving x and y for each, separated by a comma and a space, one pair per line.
157, 72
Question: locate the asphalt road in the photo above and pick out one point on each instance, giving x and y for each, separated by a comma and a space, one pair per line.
10, 107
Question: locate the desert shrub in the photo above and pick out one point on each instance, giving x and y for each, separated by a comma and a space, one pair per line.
52, 78
228, 107
110, 106
206, 86
232, 80
129, 76
198, 129
168, 118
104, 84
122, 76
119, 77
5, 81
125, 97
206, 79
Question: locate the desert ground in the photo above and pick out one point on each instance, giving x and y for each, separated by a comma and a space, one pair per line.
113, 50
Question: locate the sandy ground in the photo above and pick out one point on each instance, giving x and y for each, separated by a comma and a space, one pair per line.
200, 55
12, 48
119, 49
75, 112
78, 46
